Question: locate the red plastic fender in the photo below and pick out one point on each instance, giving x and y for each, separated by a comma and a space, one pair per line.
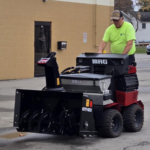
140, 104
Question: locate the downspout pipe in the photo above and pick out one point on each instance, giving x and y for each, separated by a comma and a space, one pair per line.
95, 24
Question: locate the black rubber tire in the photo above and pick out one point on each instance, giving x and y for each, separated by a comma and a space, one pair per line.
133, 118
112, 124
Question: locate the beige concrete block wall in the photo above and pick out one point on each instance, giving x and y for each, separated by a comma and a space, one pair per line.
69, 22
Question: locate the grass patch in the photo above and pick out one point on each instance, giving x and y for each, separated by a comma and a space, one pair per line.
140, 49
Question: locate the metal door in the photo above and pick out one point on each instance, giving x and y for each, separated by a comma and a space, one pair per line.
42, 44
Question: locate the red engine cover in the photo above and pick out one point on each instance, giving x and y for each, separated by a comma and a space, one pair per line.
126, 98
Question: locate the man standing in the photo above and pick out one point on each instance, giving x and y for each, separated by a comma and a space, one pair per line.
121, 36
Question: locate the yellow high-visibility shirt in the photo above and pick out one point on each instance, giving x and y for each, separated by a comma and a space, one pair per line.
119, 37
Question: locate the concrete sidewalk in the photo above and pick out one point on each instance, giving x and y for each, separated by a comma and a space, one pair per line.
7, 96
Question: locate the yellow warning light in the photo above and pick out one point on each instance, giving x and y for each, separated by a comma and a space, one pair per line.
58, 81
87, 102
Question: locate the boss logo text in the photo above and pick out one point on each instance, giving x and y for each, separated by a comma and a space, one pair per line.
99, 61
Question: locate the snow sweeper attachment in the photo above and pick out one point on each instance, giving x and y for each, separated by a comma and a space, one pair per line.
96, 97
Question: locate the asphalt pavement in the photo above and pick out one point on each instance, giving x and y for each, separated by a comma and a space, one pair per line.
12, 140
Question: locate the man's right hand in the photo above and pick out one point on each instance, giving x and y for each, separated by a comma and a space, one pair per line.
99, 50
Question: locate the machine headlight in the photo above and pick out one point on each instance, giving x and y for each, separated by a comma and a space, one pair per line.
104, 84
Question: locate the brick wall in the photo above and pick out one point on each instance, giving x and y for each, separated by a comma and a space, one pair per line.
69, 22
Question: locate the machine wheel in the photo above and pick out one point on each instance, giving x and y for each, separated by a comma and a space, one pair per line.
133, 118
112, 123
